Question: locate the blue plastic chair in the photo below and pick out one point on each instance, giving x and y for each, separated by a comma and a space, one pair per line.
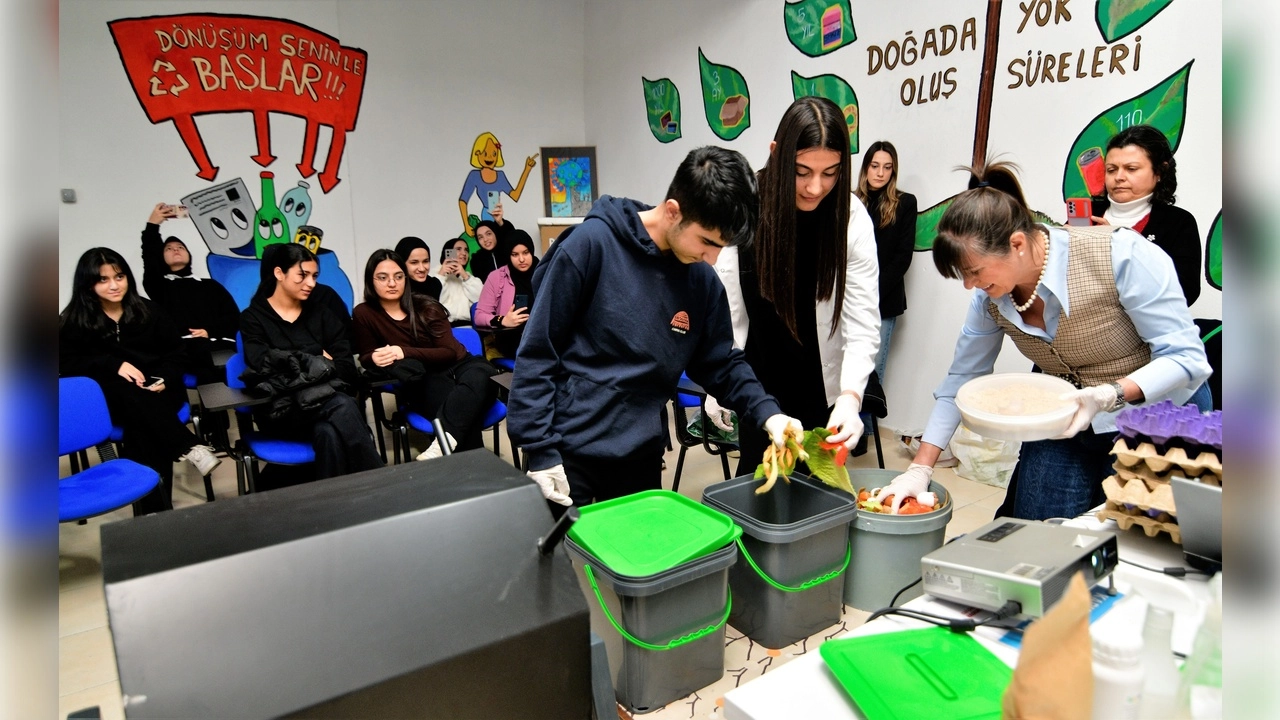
84, 422
508, 364
497, 412
253, 445
184, 416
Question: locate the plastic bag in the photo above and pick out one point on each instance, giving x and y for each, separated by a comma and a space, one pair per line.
985, 460
716, 435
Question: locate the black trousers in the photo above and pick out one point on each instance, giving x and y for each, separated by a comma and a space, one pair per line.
152, 434
338, 432
599, 479
459, 396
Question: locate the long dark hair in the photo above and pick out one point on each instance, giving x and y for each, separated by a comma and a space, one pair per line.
84, 310
889, 200
415, 306
283, 256
810, 122
982, 219
1156, 146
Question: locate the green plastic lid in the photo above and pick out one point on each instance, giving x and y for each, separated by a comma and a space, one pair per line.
931, 673
650, 532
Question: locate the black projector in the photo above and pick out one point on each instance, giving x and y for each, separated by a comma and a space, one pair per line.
412, 591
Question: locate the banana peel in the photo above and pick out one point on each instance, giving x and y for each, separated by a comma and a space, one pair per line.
825, 461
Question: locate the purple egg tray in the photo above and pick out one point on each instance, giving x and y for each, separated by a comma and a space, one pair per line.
1167, 426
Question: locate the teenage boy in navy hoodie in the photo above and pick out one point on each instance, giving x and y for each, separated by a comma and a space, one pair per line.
625, 303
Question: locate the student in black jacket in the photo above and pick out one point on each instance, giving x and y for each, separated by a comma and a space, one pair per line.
202, 309
282, 317
109, 333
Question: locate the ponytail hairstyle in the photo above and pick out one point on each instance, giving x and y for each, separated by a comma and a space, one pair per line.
810, 122
981, 220
84, 310
889, 200
283, 256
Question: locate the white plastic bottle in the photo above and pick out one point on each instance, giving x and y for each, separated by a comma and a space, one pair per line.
1200, 692
1118, 677
1160, 689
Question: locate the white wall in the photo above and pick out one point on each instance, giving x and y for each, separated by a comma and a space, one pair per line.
1035, 126
439, 74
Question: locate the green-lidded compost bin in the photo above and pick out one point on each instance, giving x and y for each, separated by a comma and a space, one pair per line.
927, 673
655, 569
795, 544
887, 548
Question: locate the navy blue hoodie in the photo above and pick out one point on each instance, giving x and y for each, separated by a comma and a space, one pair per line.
616, 322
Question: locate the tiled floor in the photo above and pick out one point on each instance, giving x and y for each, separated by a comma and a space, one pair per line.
86, 661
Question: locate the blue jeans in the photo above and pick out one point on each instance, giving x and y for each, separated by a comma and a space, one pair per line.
886, 332
1063, 478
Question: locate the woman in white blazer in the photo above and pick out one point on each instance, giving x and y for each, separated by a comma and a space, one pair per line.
804, 296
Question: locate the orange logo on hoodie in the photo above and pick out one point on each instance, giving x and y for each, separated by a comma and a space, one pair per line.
680, 323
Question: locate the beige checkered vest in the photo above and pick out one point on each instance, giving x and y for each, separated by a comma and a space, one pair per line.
1097, 343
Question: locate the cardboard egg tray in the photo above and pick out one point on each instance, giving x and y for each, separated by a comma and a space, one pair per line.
1145, 454
1151, 526
1147, 496
1142, 472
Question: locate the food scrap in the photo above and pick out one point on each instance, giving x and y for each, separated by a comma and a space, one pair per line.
925, 503
825, 460
780, 462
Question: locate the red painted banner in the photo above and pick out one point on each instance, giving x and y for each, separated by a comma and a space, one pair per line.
181, 66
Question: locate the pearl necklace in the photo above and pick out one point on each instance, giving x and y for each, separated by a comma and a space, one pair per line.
1043, 266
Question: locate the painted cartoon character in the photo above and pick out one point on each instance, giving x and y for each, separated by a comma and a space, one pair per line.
487, 179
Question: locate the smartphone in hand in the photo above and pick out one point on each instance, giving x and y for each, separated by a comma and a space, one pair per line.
154, 380
1079, 211
495, 197
182, 211
450, 254
522, 302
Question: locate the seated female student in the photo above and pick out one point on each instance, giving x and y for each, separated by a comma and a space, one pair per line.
508, 294
417, 261
461, 288
108, 332
281, 326
203, 310
393, 327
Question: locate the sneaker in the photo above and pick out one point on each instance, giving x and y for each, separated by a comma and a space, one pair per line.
202, 459
434, 451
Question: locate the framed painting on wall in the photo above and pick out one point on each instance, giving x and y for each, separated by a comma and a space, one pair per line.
568, 180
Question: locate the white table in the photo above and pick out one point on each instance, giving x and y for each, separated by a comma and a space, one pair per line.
805, 688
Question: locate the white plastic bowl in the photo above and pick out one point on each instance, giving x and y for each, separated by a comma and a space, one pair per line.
1008, 391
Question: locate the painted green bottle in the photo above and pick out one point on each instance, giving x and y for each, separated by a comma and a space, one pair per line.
270, 226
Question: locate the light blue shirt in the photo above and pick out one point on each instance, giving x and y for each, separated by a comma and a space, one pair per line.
1152, 298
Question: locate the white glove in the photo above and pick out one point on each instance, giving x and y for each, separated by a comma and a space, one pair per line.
720, 417
845, 424
912, 483
1089, 402
553, 484
779, 426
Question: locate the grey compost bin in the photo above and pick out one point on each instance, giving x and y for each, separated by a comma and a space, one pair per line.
795, 545
887, 548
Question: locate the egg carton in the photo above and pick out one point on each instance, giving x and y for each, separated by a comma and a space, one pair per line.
1157, 497
1126, 519
1174, 459
1151, 477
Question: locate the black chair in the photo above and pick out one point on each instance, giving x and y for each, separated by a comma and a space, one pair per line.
875, 405
680, 405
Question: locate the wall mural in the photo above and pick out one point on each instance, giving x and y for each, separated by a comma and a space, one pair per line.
487, 182
662, 103
181, 66
835, 89
1213, 253
1117, 18
818, 27
725, 98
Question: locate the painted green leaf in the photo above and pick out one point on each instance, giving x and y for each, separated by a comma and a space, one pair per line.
1117, 18
725, 98
662, 103
1213, 253
817, 27
927, 224
1163, 107
835, 89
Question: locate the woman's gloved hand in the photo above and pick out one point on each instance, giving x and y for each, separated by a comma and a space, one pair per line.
720, 417
912, 483
553, 484
780, 426
1089, 402
845, 424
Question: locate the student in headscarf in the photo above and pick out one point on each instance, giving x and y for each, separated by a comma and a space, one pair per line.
417, 259
508, 294
202, 309
490, 256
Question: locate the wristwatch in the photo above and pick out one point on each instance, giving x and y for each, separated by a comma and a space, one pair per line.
1120, 401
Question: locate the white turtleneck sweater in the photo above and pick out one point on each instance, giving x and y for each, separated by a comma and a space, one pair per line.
1126, 214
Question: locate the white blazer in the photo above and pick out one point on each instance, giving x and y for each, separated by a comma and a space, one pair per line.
848, 357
